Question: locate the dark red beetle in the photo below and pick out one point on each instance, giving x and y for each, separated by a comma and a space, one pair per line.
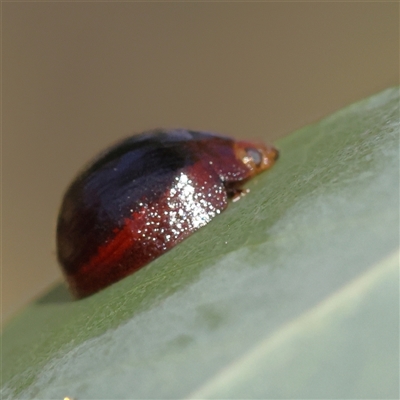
146, 194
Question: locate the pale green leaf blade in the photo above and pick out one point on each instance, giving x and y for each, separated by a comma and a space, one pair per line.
254, 304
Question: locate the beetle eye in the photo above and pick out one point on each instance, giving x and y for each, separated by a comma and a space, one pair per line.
254, 155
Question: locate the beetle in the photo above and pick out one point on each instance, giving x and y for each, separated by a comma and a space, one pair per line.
145, 195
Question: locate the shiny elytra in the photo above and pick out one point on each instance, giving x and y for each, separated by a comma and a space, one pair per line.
145, 195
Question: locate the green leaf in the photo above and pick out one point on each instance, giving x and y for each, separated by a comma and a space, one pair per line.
291, 292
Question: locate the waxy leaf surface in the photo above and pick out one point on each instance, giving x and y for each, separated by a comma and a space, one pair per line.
292, 292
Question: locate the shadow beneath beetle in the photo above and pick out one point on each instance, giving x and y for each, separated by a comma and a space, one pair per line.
58, 294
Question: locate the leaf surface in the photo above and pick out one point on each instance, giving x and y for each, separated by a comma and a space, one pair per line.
291, 292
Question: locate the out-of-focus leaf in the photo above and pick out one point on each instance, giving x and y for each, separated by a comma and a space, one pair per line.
291, 292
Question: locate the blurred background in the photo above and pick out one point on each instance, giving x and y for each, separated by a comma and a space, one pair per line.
78, 76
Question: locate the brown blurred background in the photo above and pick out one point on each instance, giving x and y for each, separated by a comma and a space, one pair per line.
79, 76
